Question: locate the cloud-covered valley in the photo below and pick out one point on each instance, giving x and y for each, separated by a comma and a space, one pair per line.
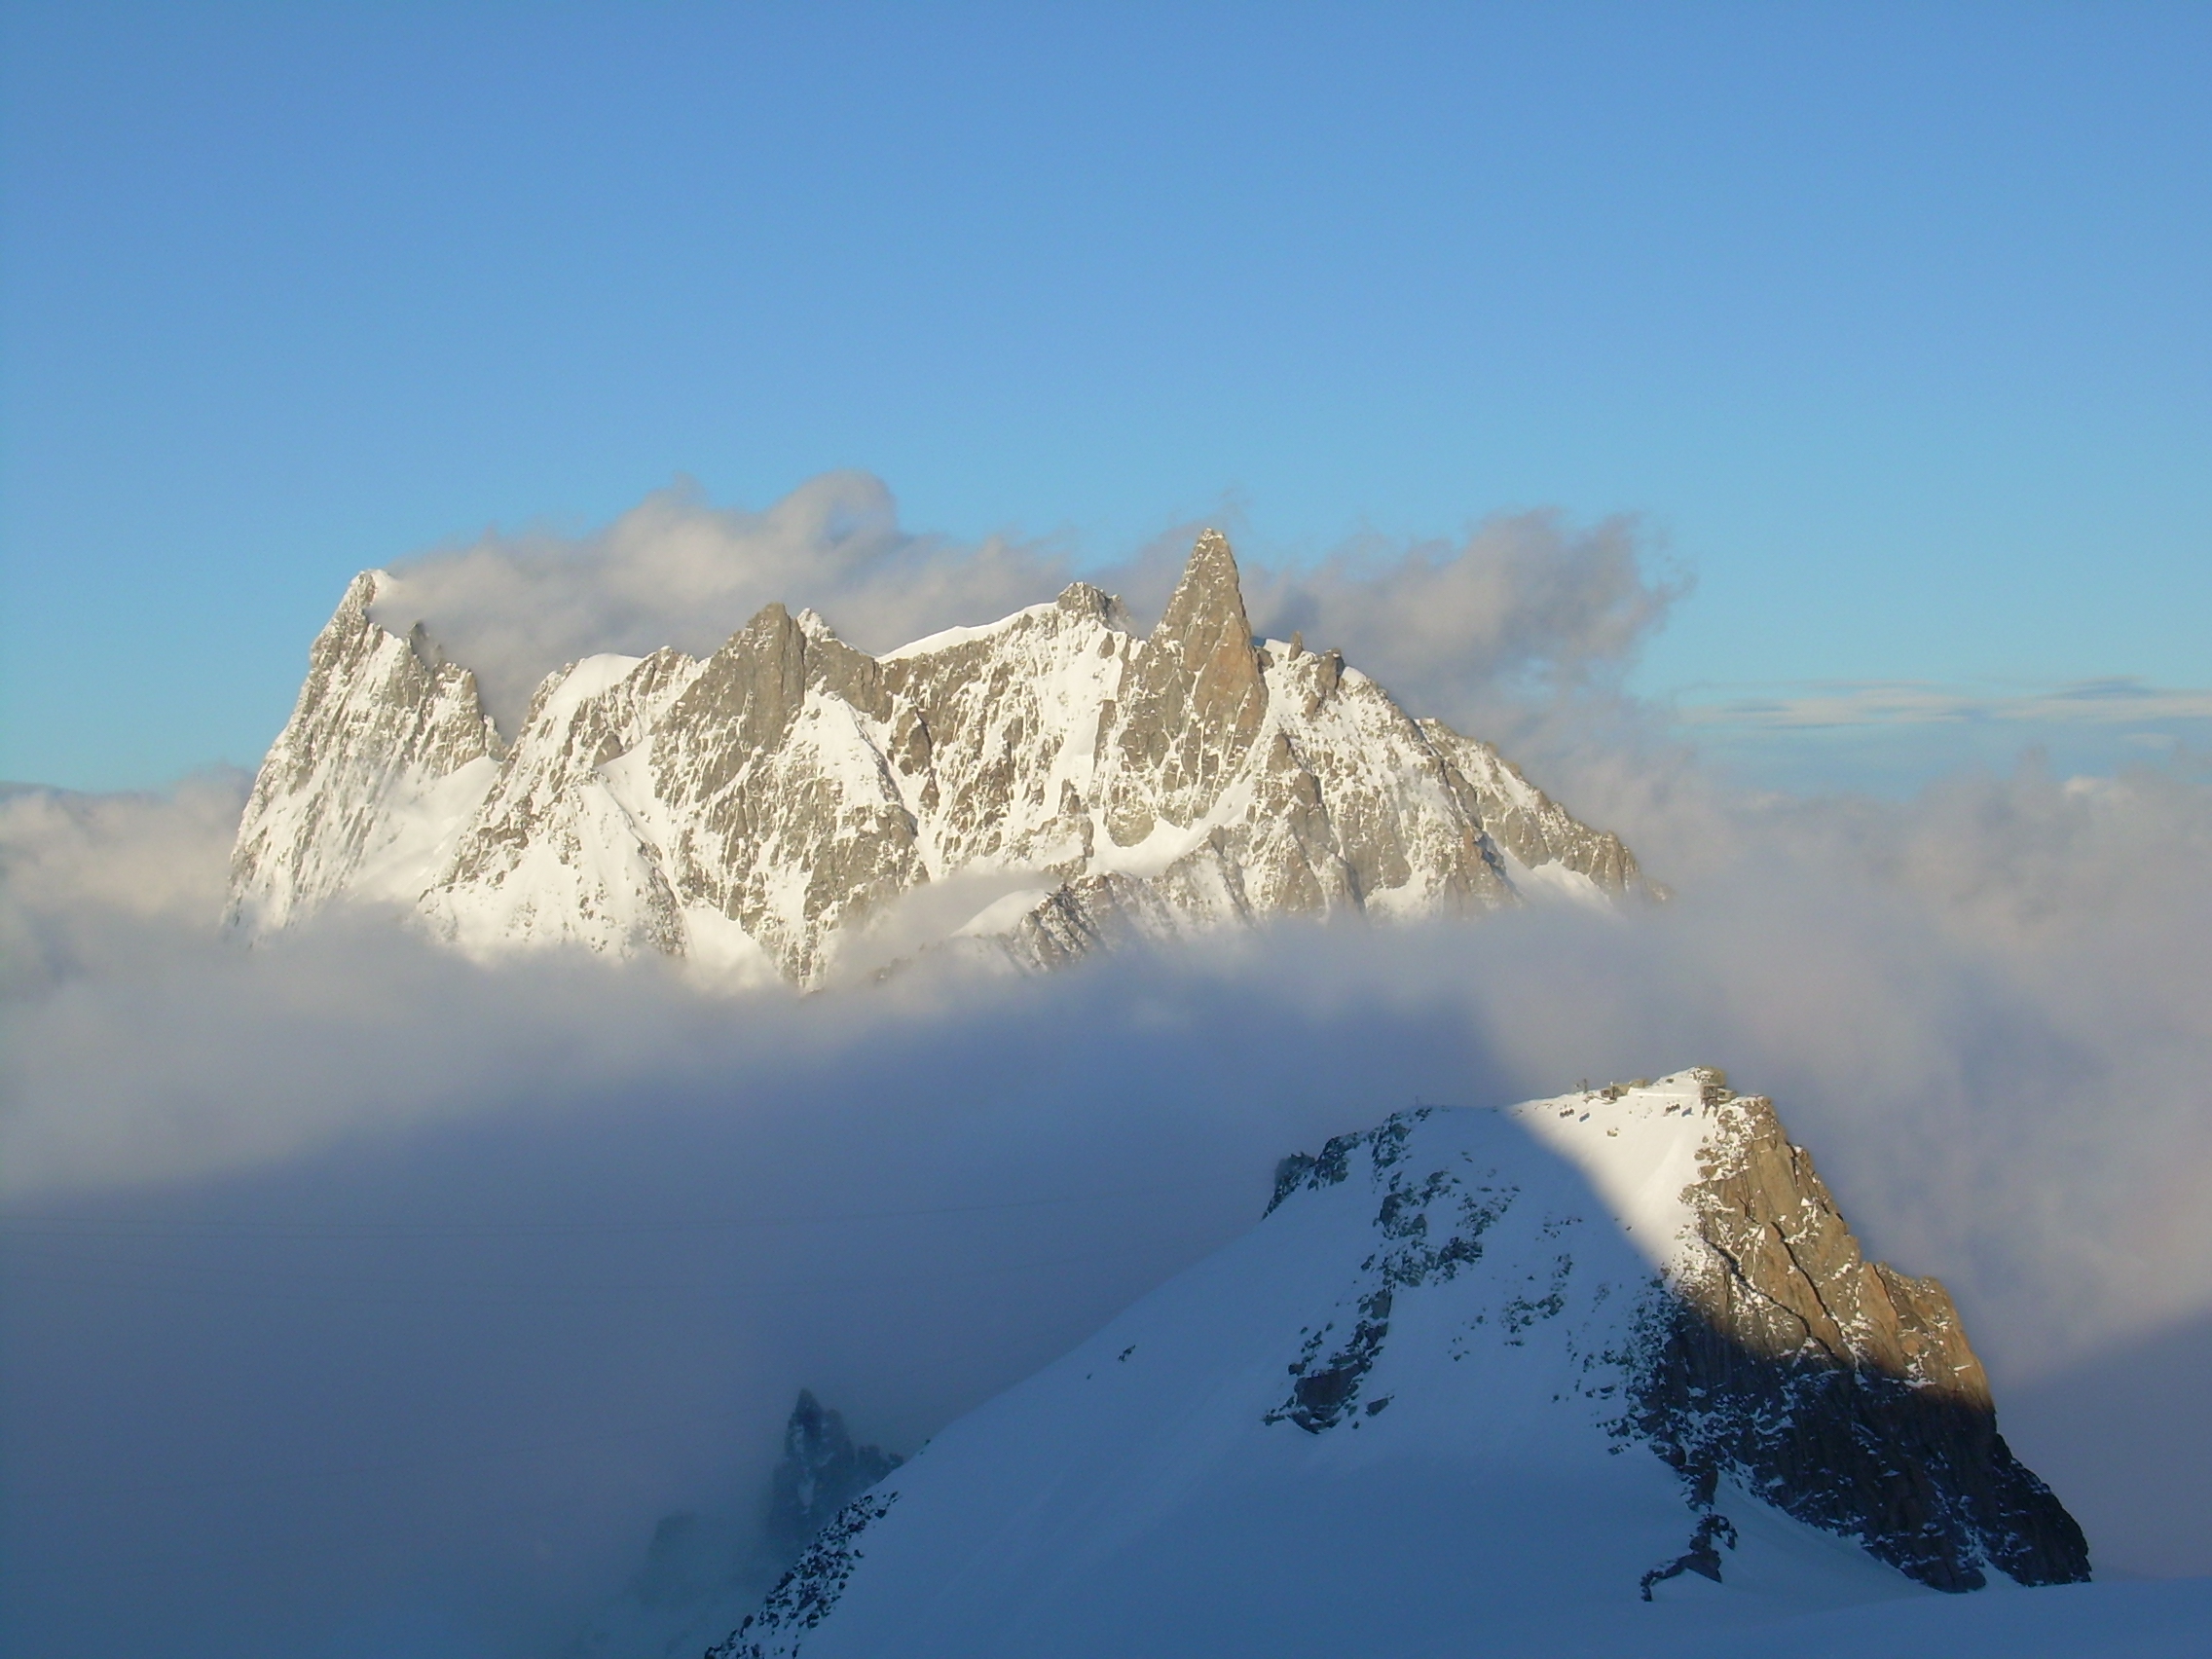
363, 1299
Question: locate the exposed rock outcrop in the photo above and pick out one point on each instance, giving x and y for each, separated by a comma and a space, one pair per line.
820, 1472
706, 1572
1769, 1350
386, 751
1840, 1389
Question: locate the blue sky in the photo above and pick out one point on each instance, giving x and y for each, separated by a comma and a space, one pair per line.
1891, 322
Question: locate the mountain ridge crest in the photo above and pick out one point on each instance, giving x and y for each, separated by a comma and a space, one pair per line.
762, 811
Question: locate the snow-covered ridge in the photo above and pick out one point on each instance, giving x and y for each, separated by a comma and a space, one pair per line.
757, 811
1455, 1382
947, 639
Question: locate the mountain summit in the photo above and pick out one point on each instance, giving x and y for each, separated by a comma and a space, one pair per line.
1602, 1373
1059, 781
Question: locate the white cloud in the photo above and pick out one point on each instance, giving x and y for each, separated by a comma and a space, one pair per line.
1982, 1008
676, 571
1524, 610
84, 878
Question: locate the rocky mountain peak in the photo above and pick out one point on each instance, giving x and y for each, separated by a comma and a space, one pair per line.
1196, 700
1082, 598
1206, 628
757, 810
381, 723
1842, 1389
704, 1569
1208, 601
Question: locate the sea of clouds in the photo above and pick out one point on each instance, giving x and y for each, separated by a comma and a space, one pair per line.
359, 1299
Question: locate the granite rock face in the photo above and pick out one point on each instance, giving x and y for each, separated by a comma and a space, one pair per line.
1838, 1388
387, 750
759, 811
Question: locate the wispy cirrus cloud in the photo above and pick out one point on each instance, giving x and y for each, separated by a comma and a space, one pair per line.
1896, 736
1818, 705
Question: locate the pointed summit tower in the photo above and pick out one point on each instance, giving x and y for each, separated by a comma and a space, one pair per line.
1209, 598
1195, 697
1206, 627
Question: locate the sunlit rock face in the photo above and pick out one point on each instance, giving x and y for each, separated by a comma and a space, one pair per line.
1842, 1391
1605, 1373
387, 753
760, 811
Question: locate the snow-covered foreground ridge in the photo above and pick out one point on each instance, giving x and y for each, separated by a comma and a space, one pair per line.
1605, 1372
1058, 779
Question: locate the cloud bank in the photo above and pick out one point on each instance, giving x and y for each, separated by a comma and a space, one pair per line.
1523, 612
674, 571
358, 1299
1896, 737
356, 1295
1526, 614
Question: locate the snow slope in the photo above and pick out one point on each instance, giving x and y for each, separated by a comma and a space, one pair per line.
1417, 1410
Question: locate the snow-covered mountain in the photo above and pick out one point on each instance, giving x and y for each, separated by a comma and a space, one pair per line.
1054, 778
1601, 1374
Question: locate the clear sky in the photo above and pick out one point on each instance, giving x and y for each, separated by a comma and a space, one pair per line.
1895, 324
